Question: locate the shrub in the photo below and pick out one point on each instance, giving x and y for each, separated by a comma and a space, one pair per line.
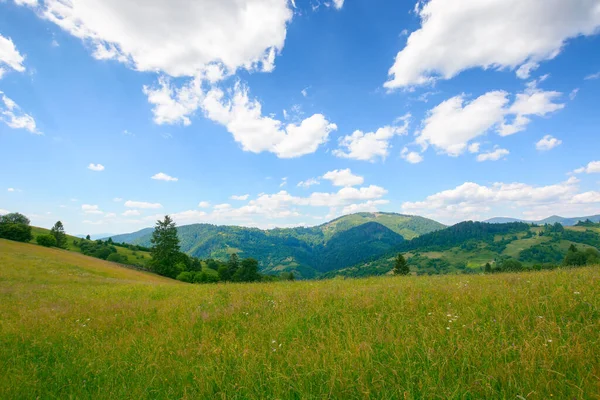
118, 258
46, 240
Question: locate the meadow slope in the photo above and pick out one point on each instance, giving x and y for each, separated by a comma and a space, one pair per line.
78, 327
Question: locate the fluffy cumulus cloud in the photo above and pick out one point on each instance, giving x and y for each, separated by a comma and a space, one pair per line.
474, 201
131, 213
493, 155
161, 176
12, 115
204, 204
548, 142
343, 177
10, 58
177, 37
96, 167
411, 156
451, 126
257, 133
142, 204
370, 146
496, 34
592, 168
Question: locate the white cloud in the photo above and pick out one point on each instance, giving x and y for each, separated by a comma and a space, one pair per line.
131, 213
90, 209
548, 142
204, 204
30, 3
164, 177
308, 183
96, 167
411, 156
240, 197
473, 201
11, 189
452, 124
372, 145
338, 4
573, 94
494, 155
283, 181
4, 212
593, 76
222, 206
586, 198
117, 199
188, 217
142, 204
174, 105
11, 115
179, 38
592, 168
496, 34
474, 147
532, 102
10, 56
343, 177
257, 133
368, 206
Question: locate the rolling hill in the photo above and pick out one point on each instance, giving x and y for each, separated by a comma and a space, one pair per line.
308, 252
468, 246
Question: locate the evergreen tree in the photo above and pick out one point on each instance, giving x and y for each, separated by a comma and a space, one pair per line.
88, 237
58, 231
488, 268
401, 266
233, 264
165, 248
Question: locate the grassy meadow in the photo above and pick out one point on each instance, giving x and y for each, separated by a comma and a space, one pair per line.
75, 327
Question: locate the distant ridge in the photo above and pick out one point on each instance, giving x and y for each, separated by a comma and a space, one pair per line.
550, 220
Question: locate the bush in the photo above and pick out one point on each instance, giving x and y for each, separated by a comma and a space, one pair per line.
118, 258
46, 240
15, 226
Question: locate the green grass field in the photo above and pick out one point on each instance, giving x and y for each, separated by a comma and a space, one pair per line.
74, 327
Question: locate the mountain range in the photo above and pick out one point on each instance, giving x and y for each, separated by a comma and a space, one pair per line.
308, 252
550, 220
365, 243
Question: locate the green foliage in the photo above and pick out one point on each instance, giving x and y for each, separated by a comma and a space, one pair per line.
87, 237
166, 258
247, 272
58, 231
577, 258
46, 240
401, 266
15, 226
541, 253
488, 268
116, 257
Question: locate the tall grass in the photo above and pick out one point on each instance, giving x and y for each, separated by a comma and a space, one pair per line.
77, 327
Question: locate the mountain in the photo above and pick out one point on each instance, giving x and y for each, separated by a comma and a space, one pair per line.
550, 220
468, 246
342, 242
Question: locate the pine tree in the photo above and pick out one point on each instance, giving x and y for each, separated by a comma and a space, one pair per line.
401, 266
165, 248
58, 231
488, 268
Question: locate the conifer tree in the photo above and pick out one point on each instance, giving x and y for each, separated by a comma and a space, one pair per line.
401, 266
165, 248
58, 231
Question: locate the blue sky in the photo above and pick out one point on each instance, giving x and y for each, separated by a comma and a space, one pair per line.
280, 113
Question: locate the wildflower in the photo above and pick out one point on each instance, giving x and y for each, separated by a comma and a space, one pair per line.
549, 340
448, 328
576, 293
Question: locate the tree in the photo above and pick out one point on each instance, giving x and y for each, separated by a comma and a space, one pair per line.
15, 226
224, 273
165, 248
401, 266
58, 231
88, 237
248, 271
233, 264
46, 240
572, 248
488, 268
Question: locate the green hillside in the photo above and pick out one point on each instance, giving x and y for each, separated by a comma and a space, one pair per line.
75, 327
305, 251
466, 247
129, 256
